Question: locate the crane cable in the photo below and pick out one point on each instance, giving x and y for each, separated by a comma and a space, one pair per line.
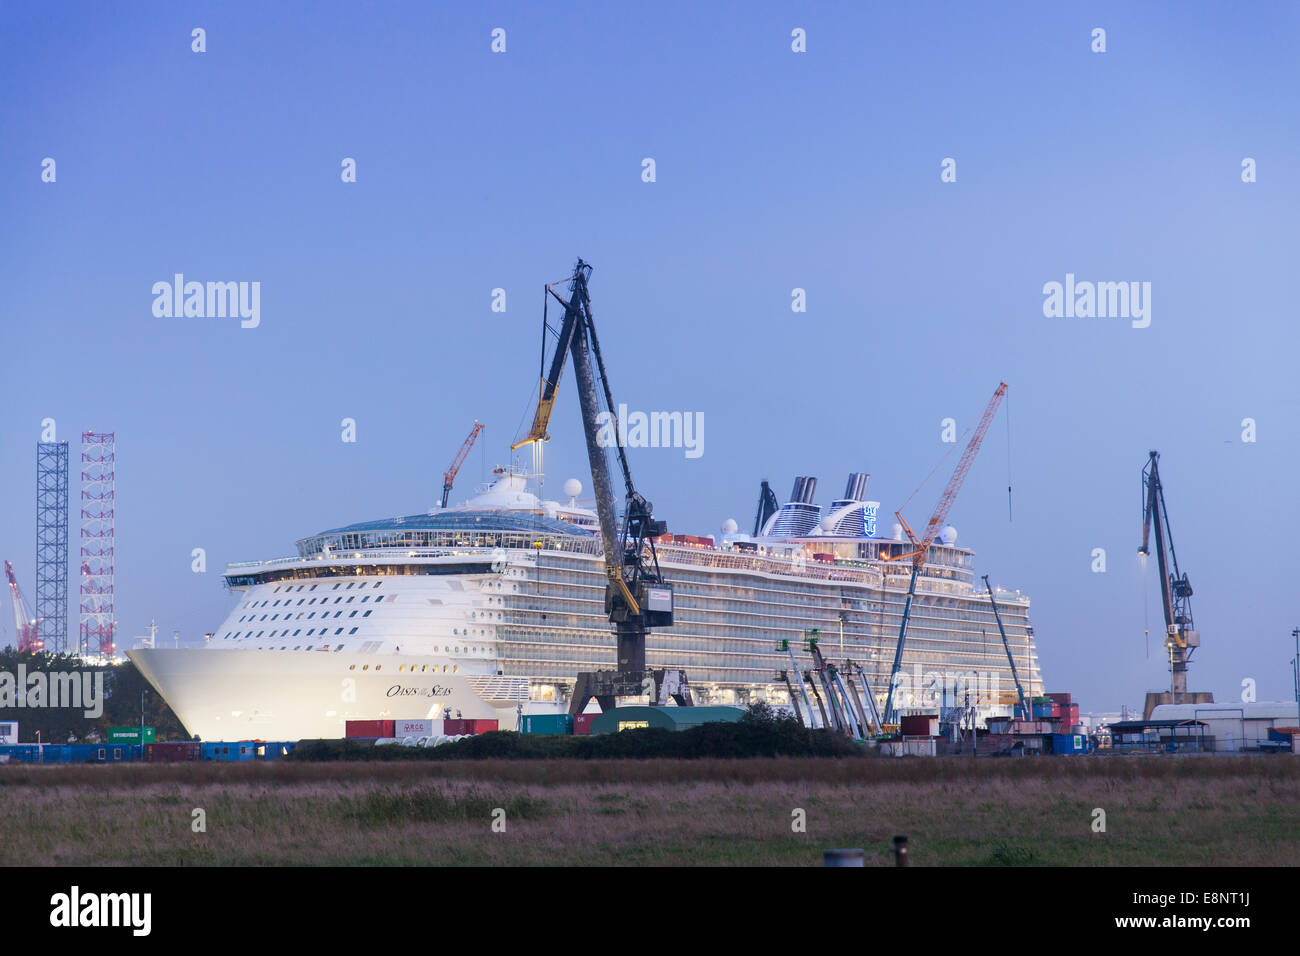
937, 466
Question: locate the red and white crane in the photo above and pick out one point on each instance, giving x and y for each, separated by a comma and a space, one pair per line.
921, 546
449, 476
25, 627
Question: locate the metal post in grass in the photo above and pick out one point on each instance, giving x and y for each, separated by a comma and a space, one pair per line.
853, 857
900, 851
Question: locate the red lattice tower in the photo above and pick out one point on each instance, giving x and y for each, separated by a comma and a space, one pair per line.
98, 462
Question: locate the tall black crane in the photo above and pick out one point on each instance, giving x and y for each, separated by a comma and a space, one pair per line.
1181, 636
637, 597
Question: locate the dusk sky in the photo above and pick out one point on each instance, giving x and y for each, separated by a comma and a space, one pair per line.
775, 170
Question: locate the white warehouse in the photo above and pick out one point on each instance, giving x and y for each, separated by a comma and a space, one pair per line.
1238, 726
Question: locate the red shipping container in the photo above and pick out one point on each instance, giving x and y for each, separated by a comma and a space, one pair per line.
919, 725
369, 728
458, 727
582, 723
1056, 709
174, 752
1062, 699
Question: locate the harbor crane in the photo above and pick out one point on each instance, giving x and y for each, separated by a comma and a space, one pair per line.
449, 476
26, 628
921, 546
1181, 636
637, 597
1025, 712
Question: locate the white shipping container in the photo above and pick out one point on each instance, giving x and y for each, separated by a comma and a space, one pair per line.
425, 727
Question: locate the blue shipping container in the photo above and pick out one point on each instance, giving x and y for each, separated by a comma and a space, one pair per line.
20, 753
1069, 744
274, 749
230, 751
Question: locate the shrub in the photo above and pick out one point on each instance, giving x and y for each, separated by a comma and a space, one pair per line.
760, 732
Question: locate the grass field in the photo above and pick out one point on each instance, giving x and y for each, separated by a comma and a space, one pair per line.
955, 812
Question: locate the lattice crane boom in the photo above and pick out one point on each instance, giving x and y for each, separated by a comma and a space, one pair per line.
949, 496
449, 476
921, 546
26, 629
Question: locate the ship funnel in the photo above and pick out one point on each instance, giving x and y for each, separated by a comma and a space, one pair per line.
804, 490
856, 488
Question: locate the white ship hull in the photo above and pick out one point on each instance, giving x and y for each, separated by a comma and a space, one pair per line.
282, 695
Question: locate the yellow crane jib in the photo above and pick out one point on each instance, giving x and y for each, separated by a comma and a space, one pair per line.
550, 381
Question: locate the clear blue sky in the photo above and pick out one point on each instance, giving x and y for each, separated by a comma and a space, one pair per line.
775, 170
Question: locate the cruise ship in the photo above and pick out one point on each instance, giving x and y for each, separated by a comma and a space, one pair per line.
490, 608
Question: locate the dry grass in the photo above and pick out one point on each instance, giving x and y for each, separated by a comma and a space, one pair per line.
1173, 811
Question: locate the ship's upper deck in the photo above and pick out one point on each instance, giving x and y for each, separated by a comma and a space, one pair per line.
440, 529
505, 515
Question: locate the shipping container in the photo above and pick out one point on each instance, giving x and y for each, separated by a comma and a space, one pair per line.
130, 735
1068, 743
908, 747
273, 749
173, 752
426, 727
1030, 727
582, 723
229, 751
368, 728
1062, 699
459, 727
548, 724
20, 753
115, 752
919, 725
